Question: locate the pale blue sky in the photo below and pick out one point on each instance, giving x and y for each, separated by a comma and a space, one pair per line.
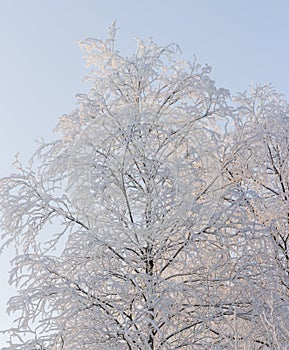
41, 67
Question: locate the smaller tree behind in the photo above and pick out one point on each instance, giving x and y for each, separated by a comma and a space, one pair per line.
260, 171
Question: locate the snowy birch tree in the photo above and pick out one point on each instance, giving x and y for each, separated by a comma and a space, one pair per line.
132, 229
260, 171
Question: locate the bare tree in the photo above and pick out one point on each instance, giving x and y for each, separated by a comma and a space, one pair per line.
132, 230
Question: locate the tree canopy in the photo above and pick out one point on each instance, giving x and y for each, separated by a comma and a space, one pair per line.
158, 217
